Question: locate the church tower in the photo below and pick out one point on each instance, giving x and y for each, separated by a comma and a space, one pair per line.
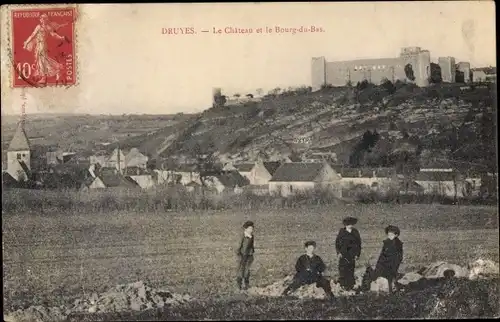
19, 155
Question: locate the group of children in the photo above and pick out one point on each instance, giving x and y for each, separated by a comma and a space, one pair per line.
310, 267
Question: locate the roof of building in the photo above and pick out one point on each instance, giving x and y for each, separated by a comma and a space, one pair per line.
486, 70
231, 179
8, 181
412, 186
244, 167
294, 158
184, 167
25, 168
193, 184
134, 153
437, 176
272, 166
136, 171
297, 171
20, 140
117, 180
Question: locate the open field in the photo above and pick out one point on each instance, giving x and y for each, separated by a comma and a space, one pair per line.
55, 257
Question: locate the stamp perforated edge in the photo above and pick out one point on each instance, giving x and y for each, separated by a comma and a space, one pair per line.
8, 34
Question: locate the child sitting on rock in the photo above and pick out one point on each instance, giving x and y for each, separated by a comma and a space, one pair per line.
390, 257
310, 268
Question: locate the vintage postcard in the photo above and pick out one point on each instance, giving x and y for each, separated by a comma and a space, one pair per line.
249, 161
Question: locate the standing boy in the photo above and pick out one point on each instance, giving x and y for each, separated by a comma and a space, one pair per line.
310, 268
245, 254
348, 247
390, 257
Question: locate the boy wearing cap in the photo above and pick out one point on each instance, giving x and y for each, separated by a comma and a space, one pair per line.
245, 254
310, 268
390, 257
348, 247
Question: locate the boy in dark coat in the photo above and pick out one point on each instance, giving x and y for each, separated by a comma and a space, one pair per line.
390, 257
245, 254
310, 268
348, 247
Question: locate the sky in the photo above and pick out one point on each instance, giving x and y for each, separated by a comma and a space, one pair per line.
127, 66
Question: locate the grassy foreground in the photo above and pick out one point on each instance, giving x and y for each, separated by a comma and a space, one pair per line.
55, 257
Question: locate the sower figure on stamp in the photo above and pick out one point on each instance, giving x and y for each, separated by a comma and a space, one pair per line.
348, 247
245, 253
310, 268
37, 42
390, 257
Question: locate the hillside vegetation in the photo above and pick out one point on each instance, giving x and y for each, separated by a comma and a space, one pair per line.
440, 121
364, 125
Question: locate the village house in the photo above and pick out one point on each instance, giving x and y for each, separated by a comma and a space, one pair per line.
445, 183
370, 177
227, 181
293, 177
116, 160
484, 74
59, 157
109, 179
144, 178
98, 158
258, 173
135, 158
319, 157
193, 186
292, 158
187, 173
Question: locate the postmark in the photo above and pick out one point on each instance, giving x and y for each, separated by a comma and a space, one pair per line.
43, 45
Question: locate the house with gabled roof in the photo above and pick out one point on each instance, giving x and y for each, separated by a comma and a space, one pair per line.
231, 181
257, 173
135, 158
443, 183
244, 169
108, 179
371, 177
293, 177
19, 155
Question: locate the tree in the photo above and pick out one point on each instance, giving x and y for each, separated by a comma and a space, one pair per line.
249, 95
237, 95
275, 91
388, 86
206, 163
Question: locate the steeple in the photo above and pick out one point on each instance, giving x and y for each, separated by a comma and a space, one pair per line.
19, 154
20, 140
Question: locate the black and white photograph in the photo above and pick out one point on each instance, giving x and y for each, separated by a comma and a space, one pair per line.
249, 161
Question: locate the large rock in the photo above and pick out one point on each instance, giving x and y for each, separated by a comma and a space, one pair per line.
135, 296
483, 269
437, 270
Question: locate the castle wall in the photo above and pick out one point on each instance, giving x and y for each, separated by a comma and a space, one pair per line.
448, 70
318, 73
465, 68
339, 73
372, 70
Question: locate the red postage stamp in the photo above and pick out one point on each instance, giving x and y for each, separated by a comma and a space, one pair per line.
43, 47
